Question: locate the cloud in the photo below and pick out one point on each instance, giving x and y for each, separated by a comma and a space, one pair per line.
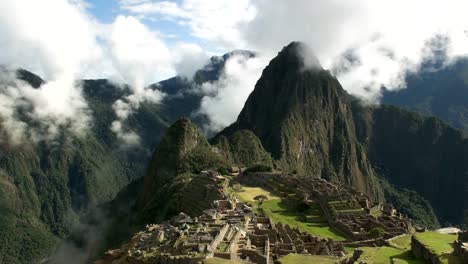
225, 98
138, 54
34, 36
189, 58
385, 38
213, 20
65, 43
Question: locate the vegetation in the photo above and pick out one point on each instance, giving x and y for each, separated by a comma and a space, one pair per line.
306, 259
439, 93
258, 168
311, 126
385, 255
377, 232
438, 243
409, 202
260, 199
279, 212
248, 194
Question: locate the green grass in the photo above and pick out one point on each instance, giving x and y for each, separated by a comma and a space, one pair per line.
436, 242
223, 246
384, 255
440, 244
402, 242
306, 259
248, 194
221, 261
278, 212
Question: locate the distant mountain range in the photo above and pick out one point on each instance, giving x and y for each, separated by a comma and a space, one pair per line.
44, 188
441, 92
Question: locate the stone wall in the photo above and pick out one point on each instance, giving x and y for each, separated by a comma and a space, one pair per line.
255, 257
461, 246
422, 252
219, 237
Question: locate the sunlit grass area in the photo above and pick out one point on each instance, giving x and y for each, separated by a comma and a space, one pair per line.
278, 212
440, 244
306, 259
402, 242
385, 255
221, 261
247, 194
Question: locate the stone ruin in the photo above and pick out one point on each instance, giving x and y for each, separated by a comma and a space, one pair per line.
345, 209
231, 230
461, 246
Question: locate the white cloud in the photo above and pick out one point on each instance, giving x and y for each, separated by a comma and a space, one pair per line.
213, 20
36, 37
188, 59
372, 29
225, 98
137, 52
388, 38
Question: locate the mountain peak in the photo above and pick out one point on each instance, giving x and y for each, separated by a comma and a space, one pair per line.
181, 137
299, 55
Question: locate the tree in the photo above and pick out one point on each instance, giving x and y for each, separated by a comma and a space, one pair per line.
376, 232
260, 198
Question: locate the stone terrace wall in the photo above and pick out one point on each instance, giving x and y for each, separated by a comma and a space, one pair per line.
420, 251
461, 247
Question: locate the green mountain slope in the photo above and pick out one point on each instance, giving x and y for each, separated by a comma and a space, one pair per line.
303, 118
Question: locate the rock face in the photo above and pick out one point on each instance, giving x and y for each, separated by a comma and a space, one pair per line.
171, 181
308, 123
303, 117
421, 154
181, 138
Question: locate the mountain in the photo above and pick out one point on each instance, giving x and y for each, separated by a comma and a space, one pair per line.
183, 96
182, 153
438, 91
46, 188
309, 124
303, 117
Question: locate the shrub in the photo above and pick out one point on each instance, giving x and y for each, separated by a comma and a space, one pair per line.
376, 232
259, 168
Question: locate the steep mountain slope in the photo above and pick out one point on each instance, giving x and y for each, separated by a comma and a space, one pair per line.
311, 125
47, 185
440, 92
302, 117
421, 154
182, 152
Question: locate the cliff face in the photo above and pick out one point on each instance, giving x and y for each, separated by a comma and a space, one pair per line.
303, 118
181, 138
422, 154
173, 174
